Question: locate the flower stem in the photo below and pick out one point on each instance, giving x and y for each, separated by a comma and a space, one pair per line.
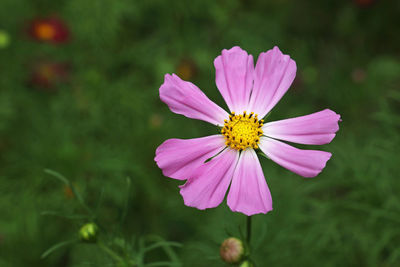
248, 236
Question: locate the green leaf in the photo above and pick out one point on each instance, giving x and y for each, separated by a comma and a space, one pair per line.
126, 206
166, 246
163, 263
162, 244
58, 176
57, 246
59, 214
68, 183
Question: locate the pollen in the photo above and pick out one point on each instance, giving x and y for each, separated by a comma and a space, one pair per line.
242, 131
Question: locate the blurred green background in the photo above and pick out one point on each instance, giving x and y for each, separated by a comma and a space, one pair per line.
99, 119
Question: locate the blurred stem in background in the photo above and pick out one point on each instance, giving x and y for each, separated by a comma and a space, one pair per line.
112, 254
248, 233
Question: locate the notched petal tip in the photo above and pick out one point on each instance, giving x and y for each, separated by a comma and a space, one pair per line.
249, 192
326, 158
306, 163
251, 213
227, 52
274, 73
235, 48
276, 48
334, 117
168, 77
185, 98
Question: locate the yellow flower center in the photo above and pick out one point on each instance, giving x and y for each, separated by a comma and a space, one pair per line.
242, 131
45, 31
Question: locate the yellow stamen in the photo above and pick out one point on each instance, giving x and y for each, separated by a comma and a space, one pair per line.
242, 131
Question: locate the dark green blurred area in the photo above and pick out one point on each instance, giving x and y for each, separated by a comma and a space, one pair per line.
104, 124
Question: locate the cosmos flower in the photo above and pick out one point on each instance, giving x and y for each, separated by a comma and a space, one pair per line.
47, 75
52, 30
215, 163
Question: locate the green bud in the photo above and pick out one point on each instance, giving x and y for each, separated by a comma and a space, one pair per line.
232, 250
88, 233
4, 39
246, 264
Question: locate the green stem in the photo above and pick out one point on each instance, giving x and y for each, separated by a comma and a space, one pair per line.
110, 252
248, 236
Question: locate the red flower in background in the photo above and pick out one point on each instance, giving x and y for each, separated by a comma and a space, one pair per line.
364, 3
186, 69
47, 75
51, 30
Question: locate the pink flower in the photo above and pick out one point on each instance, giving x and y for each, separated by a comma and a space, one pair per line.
210, 164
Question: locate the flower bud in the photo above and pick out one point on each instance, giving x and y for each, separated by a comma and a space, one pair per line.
232, 250
4, 39
247, 264
88, 233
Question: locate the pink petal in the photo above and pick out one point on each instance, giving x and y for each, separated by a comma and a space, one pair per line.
307, 163
187, 99
249, 192
315, 129
207, 188
178, 158
234, 77
274, 73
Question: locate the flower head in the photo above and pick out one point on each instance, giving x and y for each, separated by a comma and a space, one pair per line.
47, 75
210, 165
52, 30
231, 250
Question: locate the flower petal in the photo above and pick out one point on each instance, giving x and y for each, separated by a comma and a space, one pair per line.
234, 70
178, 158
307, 163
249, 191
273, 75
208, 186
314, 129
187, 99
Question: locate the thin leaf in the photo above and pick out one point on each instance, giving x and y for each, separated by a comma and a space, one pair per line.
126, 206
58, 176
162, 244
68, 183
59, 214
166, 246
100, 200
162, 263
57, 246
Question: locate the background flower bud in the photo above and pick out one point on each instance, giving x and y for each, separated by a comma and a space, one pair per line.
247, 264
88, 233
232, 250
4, 39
